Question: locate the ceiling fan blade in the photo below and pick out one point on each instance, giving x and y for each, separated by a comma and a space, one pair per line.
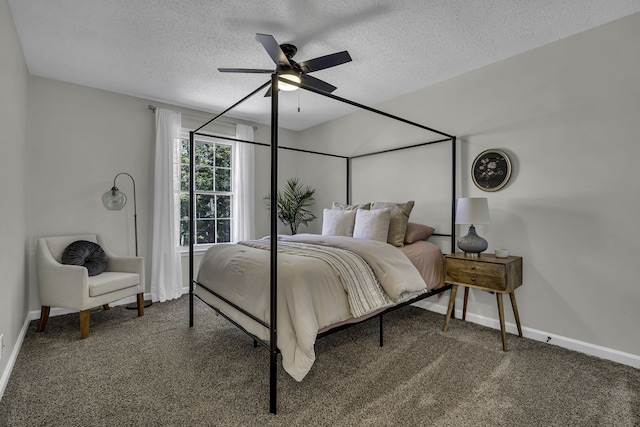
244, 70
326, 61
273, 49
317, 83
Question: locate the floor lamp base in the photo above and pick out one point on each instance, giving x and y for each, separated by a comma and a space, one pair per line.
134, 305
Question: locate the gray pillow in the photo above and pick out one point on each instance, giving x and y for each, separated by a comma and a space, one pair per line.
399, 218
87, 254
344, 207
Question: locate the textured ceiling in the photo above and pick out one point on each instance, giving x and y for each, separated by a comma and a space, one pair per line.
169, 50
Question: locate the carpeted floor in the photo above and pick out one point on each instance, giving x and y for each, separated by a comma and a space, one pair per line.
156, 371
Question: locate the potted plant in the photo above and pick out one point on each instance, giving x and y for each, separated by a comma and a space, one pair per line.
293, 203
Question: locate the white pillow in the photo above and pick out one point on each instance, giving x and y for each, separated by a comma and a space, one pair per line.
338, 223
372, 224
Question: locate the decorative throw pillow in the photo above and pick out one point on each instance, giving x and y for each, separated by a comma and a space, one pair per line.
372, 225
416, 232
87, 254
338, 223
344, 207
399, 218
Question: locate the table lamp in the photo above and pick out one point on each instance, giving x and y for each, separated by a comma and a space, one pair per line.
472, 210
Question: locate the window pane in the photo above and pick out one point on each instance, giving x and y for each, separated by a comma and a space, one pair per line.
184, 151
205, 231
184, 177
223, 179
223, 206
184, 232
184, 206
204, 154
205, 206
224, 231
204, 179
223, 156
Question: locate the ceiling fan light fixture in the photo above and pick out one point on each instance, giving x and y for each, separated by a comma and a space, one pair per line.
292, 77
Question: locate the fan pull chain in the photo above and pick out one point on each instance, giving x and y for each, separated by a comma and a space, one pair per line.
299, 100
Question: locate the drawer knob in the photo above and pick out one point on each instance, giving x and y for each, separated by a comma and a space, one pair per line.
473, 279
473, 267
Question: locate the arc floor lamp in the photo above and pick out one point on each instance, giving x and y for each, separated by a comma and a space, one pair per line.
114, 200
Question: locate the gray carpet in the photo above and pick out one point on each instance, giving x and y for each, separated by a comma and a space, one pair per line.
156, 371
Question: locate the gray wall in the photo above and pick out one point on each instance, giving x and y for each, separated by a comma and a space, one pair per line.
14, 192
568, 113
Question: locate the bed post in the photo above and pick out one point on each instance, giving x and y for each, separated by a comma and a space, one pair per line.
273, 336
348, 180
453, 194
191, 220
453, 208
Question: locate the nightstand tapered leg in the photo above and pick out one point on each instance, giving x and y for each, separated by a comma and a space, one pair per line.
515, 312
464, 306
452, 299
501, 315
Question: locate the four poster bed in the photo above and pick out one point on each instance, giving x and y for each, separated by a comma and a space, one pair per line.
287, 291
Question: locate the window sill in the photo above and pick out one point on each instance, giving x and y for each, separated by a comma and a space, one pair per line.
199, 251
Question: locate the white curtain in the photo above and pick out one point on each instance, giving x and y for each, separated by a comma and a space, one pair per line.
166, 267
243, 181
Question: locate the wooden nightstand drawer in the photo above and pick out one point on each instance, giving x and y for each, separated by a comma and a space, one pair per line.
468, 266
480, 274
497, 282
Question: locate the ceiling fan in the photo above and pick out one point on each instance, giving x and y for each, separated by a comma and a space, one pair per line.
282, 55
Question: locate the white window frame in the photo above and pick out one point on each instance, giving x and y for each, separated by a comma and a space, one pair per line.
200, 247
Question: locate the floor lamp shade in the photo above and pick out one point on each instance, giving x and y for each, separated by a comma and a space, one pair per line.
473, 210
114, 199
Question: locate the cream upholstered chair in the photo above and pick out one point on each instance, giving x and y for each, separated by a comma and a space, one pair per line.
70, 286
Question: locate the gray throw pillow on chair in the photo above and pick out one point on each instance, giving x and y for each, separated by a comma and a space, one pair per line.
87, 254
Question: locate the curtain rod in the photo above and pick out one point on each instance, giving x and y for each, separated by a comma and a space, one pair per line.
153, 108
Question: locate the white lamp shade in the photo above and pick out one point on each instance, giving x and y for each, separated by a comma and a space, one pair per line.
472, 210
114, 199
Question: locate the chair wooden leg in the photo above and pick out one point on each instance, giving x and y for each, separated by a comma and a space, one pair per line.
44, 317
84, 324
140, 305
106, 307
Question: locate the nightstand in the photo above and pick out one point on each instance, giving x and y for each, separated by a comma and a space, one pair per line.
486, 272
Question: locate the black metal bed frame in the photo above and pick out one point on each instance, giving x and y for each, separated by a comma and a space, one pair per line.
271, 344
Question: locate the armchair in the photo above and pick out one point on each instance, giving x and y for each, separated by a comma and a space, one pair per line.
70, 286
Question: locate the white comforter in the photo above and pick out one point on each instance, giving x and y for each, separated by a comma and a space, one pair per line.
310, 293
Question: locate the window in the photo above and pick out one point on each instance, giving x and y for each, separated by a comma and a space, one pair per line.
213, 190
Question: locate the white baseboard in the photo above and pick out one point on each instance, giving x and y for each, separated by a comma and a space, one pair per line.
546, 337
4, 380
